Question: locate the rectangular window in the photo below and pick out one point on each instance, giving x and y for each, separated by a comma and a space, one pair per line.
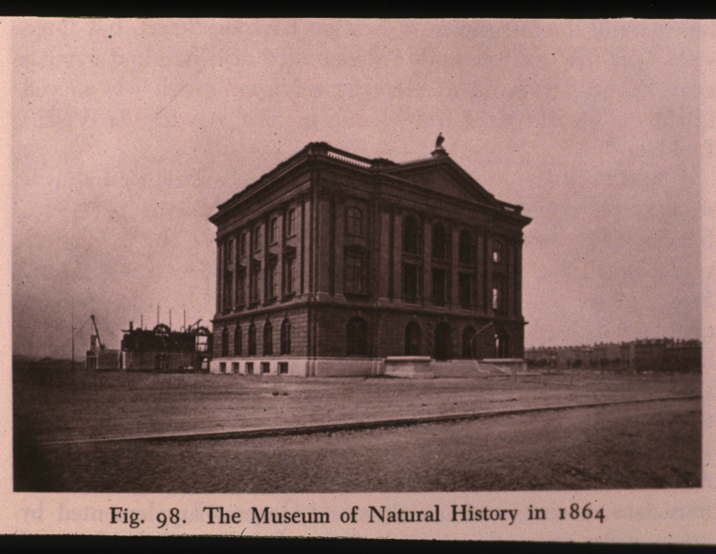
234, 367
273, 231
272, 289
439, 287
254, 284
354, 222
249, 368
242, 245
411, 275
265, 367
289, 274
497, 253
283, 368
465, 282
222, 367
355, 273
241, 287
497, 296
228, 290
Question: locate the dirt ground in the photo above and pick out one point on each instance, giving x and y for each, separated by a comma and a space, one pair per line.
649, 445
67, 406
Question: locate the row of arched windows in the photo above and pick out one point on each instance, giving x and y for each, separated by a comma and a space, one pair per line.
357, 343
357, 340
285, 346
412, 241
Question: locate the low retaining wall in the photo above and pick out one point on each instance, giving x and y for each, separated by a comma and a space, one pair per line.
414, 367
410, 367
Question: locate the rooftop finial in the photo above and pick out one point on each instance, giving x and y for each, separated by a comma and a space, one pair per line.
439, 141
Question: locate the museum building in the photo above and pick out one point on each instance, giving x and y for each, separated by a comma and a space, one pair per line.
332, 262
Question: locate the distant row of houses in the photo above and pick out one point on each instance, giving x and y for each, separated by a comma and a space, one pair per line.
641, 355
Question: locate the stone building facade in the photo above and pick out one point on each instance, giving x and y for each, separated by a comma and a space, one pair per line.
332, 262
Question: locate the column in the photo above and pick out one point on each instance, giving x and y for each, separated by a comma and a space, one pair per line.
398, 258
427, 276
338, 231
383, 254
454, 292
219, 280
322, 249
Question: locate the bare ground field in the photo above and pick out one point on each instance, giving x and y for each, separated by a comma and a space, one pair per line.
650, 445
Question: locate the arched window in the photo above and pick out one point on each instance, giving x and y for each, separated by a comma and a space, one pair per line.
440, 243
501, 343
412, 339
268, 339
443, 342
285, 337
357, 337
225, 342
252, 340
411, 235
237, 341
354, 221
468, 348
465, 255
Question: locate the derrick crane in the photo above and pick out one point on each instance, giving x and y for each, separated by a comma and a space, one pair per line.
96, 331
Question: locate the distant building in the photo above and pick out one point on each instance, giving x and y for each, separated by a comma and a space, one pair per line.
331, 262
642, 355
162, 350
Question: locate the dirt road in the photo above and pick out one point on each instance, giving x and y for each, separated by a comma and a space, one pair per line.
649, 445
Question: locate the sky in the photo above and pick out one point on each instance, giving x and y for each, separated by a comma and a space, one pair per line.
127, 134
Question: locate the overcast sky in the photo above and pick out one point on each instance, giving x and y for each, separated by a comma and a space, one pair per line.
126, 135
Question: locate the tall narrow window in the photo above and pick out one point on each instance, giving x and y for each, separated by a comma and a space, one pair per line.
252, 340
497, 295
268, 339
241, 287
439, 286
411, 236
237, 341
272, 283
465, 284
254, 277
439, 242
465, 255
273, 231
228, 290
285, 337
497, 252
357, 337
257, 238
230, 251
242, 245
291, 225
289, 274
354, 221
412, 339
355, 273
225, 342
410, 282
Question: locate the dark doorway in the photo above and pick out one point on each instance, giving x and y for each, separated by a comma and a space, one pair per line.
501, 344
443, 342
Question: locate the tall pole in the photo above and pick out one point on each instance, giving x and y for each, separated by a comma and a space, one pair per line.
73, 333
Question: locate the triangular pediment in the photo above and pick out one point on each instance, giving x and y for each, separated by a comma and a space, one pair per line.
446, 177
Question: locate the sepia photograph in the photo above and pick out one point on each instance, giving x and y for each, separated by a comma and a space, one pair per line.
337, 258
